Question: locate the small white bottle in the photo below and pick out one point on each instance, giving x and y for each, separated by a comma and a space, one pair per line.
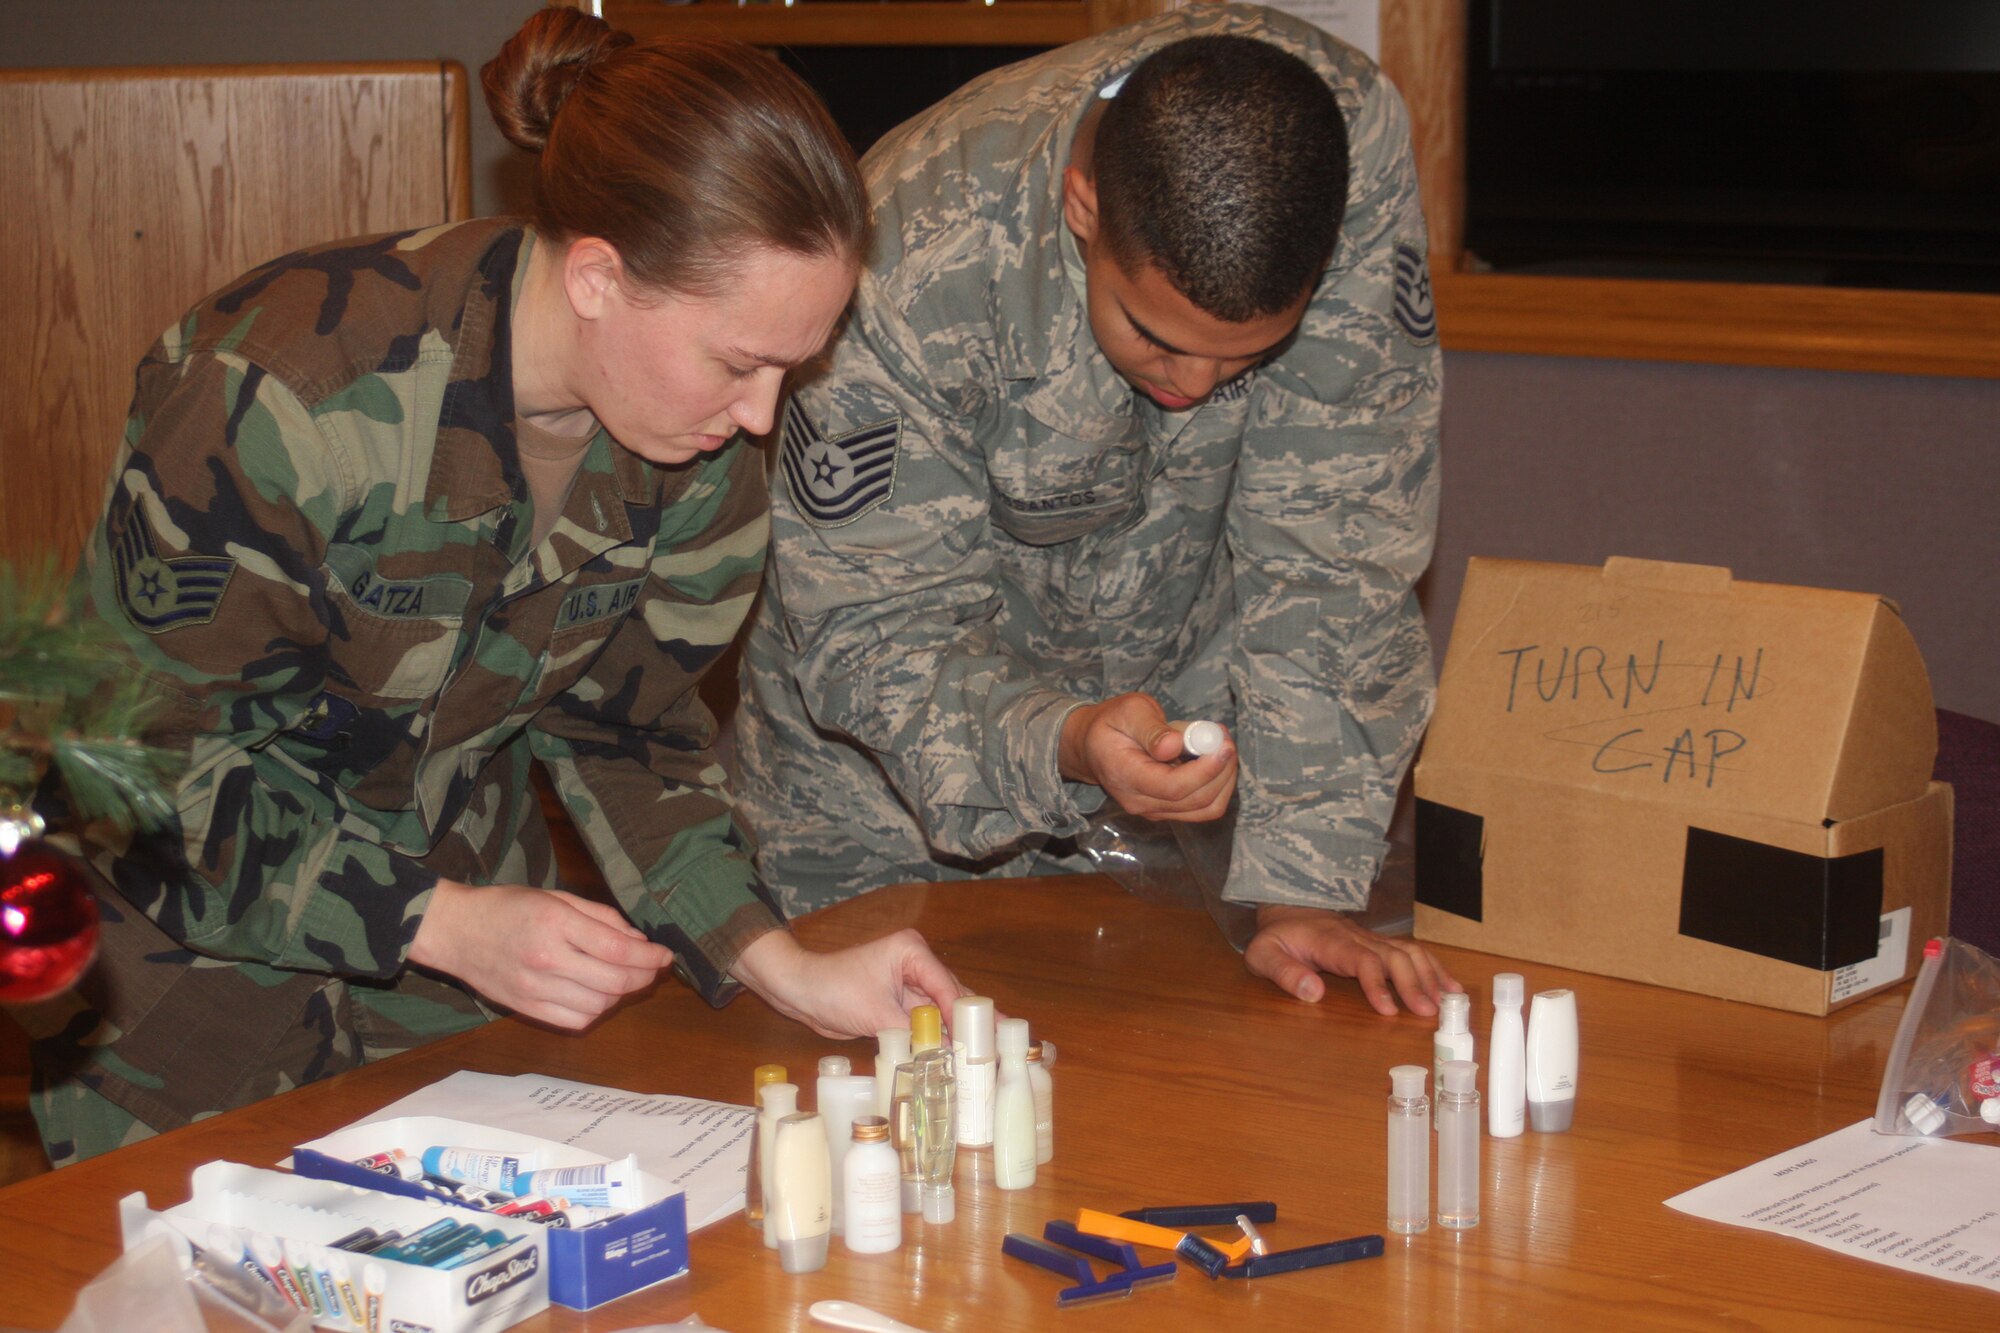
842, 1097
1550, 1071
1453, 1039
777, 1101
972, 1052
1013, 1111
892, 1048
1506, 1057
871, 1183
801, 1205
1458, 1146
1409, 1151
1043, 1085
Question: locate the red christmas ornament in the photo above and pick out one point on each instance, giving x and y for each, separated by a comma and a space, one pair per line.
48, 922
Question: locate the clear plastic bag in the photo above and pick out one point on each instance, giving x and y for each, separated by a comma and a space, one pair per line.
1944, 1065
1170, 864
162, 1286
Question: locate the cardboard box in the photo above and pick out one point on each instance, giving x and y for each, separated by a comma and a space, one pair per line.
588, 1266
1657, 772
484, 1296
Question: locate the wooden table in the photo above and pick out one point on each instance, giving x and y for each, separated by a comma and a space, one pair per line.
1181, 1079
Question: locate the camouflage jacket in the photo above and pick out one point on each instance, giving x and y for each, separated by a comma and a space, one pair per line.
980, 524
316, 543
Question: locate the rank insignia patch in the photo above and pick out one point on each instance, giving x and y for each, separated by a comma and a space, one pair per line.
159, 595
1414, 310
837, 481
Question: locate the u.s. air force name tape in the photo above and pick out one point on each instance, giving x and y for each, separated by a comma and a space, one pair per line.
837, 481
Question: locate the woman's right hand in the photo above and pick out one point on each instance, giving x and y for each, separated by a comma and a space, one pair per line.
541, 953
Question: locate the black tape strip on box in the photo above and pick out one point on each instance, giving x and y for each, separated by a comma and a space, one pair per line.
1451, 859
1821, 912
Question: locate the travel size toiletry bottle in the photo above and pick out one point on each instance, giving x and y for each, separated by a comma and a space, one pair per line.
1043, 1084
892, 1048
1549, 1072
1014, 1110
842, 1096
972, 1052
801, 1206
871, 1183
775, 1102
755, 1179
925, 1025
1458, 1146
1409, 1151
1453, 1039
1506, 1056
934, 1101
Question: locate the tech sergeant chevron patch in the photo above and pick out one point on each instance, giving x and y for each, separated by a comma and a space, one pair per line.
836, 481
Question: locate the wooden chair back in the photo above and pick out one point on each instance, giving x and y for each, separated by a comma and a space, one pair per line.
126, 194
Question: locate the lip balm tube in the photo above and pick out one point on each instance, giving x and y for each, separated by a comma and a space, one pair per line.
302, 1278
801, 1201
271, 1256
1550, 1067
843, 1099
394, 1162
972, 1045
374, 1285
1202, 738
343, 1281
1506, 1056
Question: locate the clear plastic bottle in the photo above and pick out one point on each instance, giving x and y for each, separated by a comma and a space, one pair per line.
760, 1148
1453, 1039
872, 1189
1458, 1146
1043, 1085
1409, 1151
1506, 1060
1013, 1110
934, 1100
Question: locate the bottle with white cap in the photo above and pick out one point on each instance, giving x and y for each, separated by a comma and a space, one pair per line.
1014, 1111
892, 1048
843, 1096
1453, 1038
774, 1103
1409, 1151
1043, 1085
1506, 1059
1458, 1146
973, 1060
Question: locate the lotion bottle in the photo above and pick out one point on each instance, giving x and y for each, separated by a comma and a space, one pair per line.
972, 1051
892, 1048
778, 1101
1014, 1111
1453, 1040
755, 1180
843, 1096
1458, 1146
1409, 1151
871, 1181
1506, 1056
1550, 1070
801, 1207
1043, 1085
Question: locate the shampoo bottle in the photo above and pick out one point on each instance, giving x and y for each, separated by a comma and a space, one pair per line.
1458, 1146
1409, 1151
1453, 1040
1014, 1111
801, 1207
892, 1048
843, 1096
872, 1185
1550, 1070
1506, 1057
778, 1101
972, 1049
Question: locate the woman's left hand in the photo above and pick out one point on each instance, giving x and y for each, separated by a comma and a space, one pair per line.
852, 992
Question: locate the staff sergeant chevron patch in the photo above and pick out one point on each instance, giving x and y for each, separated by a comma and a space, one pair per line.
837, 481
159, 595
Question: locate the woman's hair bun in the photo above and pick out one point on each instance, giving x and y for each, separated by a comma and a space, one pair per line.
527, 83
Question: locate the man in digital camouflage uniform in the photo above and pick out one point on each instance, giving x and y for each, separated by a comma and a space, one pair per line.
324, 546
1135, 421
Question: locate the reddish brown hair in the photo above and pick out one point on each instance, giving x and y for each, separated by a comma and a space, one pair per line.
679, 153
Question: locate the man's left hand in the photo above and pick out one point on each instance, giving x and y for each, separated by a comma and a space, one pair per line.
1293, 945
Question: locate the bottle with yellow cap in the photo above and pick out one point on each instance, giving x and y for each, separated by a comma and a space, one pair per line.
753, 1183
926, 1034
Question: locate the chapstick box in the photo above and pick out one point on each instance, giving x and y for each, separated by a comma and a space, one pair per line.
587, 1267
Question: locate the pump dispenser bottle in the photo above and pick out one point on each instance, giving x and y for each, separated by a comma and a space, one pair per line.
1453, 1040
1506, 1056
1409, 1151
972, 1048
1014, 1111
779, 1100
755, 1180
1458, 1146
1043, 1085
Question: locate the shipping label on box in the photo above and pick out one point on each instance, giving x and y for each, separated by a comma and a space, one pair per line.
1655, 771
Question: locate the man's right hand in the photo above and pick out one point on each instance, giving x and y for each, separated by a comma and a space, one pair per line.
1126, 746
541, 953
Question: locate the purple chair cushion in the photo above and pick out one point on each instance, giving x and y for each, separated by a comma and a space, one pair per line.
1969, 759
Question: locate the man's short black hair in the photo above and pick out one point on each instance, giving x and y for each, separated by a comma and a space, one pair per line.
1223, 161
